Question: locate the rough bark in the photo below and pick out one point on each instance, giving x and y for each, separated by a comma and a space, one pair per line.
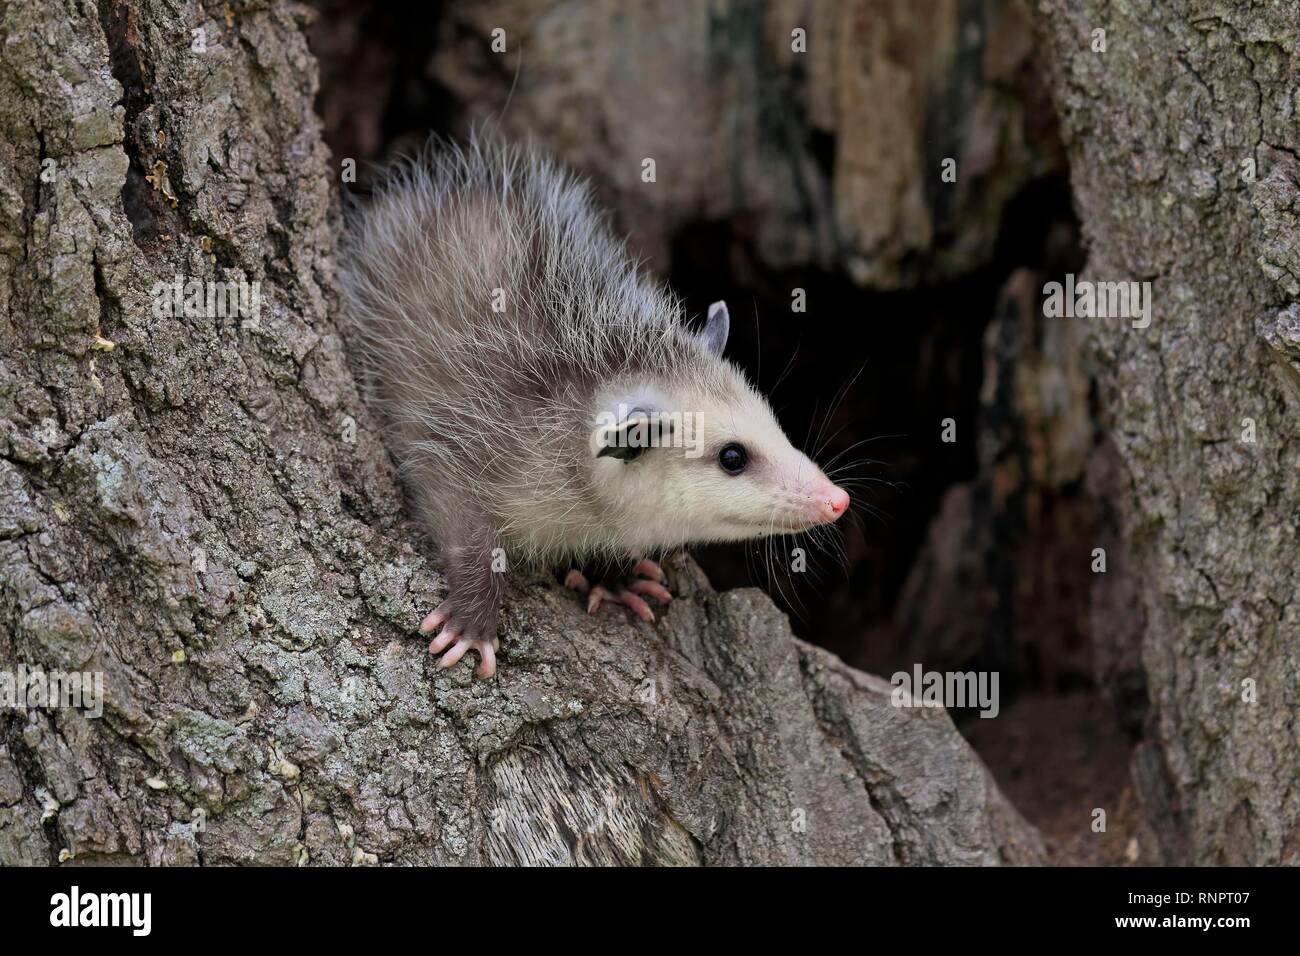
1163, 129
200, 509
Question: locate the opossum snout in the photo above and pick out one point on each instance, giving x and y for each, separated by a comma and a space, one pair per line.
837, 502
826, 502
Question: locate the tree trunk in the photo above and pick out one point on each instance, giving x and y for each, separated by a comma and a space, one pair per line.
1183, 141
199, 509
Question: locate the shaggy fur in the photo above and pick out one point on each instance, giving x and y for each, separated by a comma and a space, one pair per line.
496, 317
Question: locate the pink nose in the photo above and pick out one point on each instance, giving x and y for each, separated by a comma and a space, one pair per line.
833, 502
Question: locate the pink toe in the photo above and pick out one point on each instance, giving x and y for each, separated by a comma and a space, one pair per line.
443, 640
649, 569
575, 580
431, 622
652, 589
453, 656
638, 606
487, 665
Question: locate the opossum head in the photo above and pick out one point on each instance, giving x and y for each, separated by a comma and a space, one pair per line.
695, 454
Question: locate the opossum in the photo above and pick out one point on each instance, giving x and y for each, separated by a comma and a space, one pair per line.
544, 398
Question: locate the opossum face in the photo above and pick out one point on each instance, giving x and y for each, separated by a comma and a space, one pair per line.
677, 462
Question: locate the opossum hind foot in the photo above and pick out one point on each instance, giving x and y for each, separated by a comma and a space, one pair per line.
629, 588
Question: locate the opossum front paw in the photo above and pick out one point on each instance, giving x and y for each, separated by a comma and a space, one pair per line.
645, 578
456, 640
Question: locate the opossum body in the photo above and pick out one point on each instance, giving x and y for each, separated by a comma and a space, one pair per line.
545, 400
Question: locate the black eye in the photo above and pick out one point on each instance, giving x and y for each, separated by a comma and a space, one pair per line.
733, 458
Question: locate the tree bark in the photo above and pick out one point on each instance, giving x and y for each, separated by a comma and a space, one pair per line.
818, 130
200, 510
1183, 142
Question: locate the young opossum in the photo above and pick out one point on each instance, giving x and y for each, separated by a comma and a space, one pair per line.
545, 400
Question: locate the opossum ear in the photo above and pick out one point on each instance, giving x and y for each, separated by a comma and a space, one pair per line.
716, 328
626, 440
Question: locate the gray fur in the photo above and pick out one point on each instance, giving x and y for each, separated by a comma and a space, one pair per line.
487, 409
